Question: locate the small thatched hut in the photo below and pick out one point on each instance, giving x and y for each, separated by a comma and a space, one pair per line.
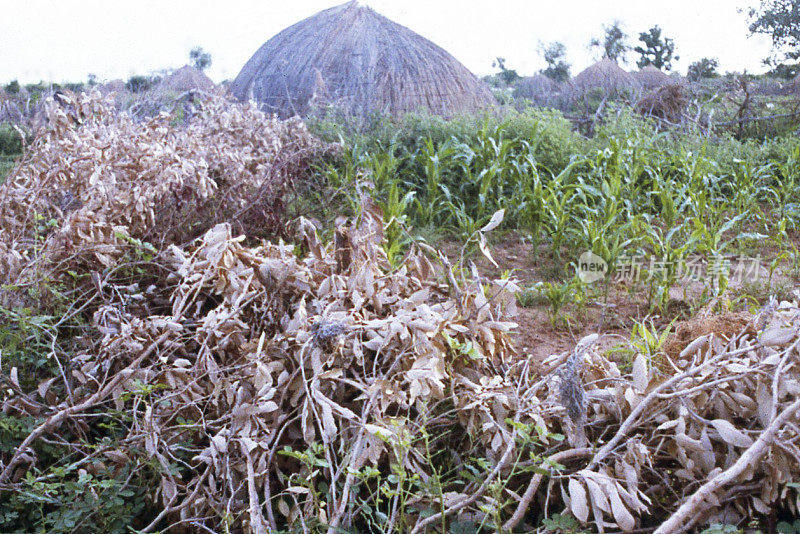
186, 78
353, 58
652, 77
114, 86
540, 90
605, 75
536, 86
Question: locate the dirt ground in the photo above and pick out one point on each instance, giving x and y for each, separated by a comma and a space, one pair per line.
615, 317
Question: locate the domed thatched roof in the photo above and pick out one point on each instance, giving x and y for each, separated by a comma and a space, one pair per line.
352, 57
535, 86
114, 86
186, 78
652, 77
606, 75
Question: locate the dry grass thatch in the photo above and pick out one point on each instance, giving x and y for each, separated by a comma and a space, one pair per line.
606, 75
652, 77
667, 103
186, 78
352, 57
536, 86
114, 86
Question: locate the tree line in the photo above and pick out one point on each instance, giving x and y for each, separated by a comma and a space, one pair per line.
779, 19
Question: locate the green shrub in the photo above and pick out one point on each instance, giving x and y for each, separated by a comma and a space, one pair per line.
139, 83
12, 87
553, 139
11, 143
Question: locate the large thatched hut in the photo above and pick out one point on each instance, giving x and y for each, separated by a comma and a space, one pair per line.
607, 76
355, 59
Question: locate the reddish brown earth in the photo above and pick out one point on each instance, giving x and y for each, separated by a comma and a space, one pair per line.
537, 336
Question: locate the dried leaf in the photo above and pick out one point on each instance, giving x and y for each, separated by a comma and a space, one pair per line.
495, 221
621, 514
577, 498
641, 375
731, 434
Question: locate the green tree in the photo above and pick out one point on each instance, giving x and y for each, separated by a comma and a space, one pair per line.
786, 71
704, 68
200, 59
614, 43
656, 50
139, 84
555, 55
13, 87
508, 76
780, 19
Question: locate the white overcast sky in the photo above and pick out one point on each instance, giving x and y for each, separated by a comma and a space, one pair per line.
65, 40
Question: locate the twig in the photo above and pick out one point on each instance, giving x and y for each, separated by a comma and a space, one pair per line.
256, 517
755, 119
651, 397
533, 486
172, 509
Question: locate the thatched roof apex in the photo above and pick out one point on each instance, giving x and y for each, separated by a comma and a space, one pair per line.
186, 78
605, 74
352, 57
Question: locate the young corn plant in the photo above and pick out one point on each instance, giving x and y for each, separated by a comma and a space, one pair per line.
560, 295
395, 214
529, 205
710, 235
668, 251
646, 338
669, 199
459, 216
609, 240
784, 194
749, 189
559, 212
487, 170
434, 194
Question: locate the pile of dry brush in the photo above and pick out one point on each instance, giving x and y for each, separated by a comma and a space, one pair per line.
253, 353
96, 179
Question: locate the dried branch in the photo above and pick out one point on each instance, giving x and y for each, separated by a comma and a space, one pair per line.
533, 485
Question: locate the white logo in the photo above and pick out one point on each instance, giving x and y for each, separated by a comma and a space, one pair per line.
591, 267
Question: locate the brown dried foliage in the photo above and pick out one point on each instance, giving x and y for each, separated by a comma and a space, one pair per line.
667, 103
96, 180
